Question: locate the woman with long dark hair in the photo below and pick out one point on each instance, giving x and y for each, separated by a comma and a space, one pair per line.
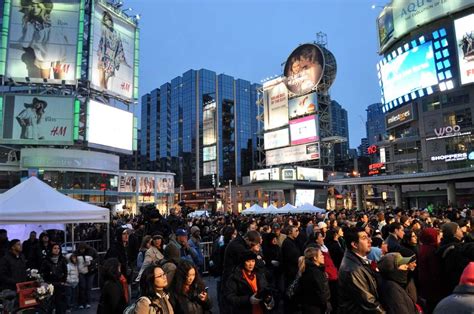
113, 297
54, 271
153, 298
188, 293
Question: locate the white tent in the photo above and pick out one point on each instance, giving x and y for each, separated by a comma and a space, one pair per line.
288, 208
35, 202
269, 210
308, 208
251, 210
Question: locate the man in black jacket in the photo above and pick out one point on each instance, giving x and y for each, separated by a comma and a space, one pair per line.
121, 250
290, 252
396, 233
236, 248
357, 283
12, 267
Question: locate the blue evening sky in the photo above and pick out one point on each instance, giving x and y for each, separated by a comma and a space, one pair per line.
249, 39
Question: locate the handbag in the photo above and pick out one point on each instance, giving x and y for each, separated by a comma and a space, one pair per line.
292, 289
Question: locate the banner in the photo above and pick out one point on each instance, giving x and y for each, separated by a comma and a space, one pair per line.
303, 105
304, 69
146, 184
128, 183
113, 52
465, 42
165, 184
38, 120
275, 101
43, 41
276, 139
292, 154
310, 174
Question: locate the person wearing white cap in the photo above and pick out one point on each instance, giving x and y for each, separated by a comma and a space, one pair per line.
323, 227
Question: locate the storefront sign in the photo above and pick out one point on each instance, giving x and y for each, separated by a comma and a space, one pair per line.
399, 117
448, 131
451, 157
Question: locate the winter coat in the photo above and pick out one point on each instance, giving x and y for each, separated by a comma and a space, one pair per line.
72, 274
394, 245
189, 304
112, 299
336, 251
232, 254
395, 299
357, 286
237, 292
145, 306
199, 258
122, 253
12, 271
313, 290
55, 273
290, 252
175, 252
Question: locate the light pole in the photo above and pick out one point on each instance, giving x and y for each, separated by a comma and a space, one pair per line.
230, 195
180, 192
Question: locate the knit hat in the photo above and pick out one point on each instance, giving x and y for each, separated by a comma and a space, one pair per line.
391, 261
247, 255
195, 229
449, 229
322, 225
467, 277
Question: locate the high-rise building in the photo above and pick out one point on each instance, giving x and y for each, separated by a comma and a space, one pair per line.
201, 125
375, 124
340, 127
364, 145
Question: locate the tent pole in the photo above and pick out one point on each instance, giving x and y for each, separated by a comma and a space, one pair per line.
72, 238
108, 235
65, 235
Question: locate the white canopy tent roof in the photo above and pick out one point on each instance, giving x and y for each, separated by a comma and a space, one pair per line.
308, 208
288, 208
252, 210
35, 202
269, 210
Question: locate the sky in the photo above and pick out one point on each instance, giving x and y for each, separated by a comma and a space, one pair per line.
249, 39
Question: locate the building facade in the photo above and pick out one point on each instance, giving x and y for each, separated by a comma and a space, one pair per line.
201, 126
340, 127
375, 124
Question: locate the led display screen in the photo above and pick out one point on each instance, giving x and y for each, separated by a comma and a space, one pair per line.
411, 71
304, 130
465, 42
310, 174
303, 105
43, 40
109, 126
304, 69
38, 120
113, 52
292, 154
304, 197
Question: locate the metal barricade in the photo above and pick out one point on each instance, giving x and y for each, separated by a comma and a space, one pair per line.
98, 245
206, 248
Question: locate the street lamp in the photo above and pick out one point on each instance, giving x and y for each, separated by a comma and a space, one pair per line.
180, 192
230, 195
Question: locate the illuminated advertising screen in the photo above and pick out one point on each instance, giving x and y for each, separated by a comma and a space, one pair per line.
112, 53
292, 154
38, 120
128, 183
309, 174
304, 69
465, 42
303, 105
288, 174
385, 25
209, 168
304, 130
42, 41
209, 153
146, 184
304, 197
165, 184
275, 102
409, 72
399, 116
276, 139
260, 175
109, 126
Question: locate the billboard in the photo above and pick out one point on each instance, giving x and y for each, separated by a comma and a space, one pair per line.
38, 120
407, 15
209, 153
42, 41
276, 139
112, 52
409, 72
304, 69
128, 183
275, 102
260, 175
399, 116
303, 105
288, 174
465, 41
304, 130
309, 174
292, 154
109, 126
165, 184
146, 184
304, 197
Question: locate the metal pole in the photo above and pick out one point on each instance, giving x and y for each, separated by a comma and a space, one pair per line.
180, 191
108, 235
72, 238
230, 195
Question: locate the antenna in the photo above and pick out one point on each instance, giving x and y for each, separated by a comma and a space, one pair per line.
321, 39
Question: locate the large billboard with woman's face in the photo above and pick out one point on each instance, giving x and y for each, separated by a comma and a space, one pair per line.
304, 69
112, 52
42, 43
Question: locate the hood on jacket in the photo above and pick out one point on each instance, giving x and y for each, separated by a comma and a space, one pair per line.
467, 277
429, 236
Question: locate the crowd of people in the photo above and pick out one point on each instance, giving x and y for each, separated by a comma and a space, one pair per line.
345, 261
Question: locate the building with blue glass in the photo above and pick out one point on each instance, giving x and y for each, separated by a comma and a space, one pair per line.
340, 127
375, 124
201, 125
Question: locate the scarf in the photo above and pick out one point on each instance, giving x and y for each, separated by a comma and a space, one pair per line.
123, 282
252, 281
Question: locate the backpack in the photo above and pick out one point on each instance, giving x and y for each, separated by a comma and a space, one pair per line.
131, 308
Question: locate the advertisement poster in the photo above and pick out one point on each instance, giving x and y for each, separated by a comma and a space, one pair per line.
275, 101
146, 184
43, 40
385, 25
304, 130
276, 139
465, 42
310, 174
128, 183
39, 120
292, 154
260, 175
304, 69
115, 131
165, 184
304, 197
411, 71
303, 105
113, 48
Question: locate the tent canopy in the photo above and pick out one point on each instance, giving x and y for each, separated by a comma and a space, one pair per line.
35, 202
252, 210
310, 209
288, 208
269, 210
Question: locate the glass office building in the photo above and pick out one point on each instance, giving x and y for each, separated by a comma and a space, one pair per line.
375, 124
340, 127
200, 125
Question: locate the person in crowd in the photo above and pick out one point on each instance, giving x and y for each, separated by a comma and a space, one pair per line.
395, 236
114, 296
410, 241
271, 255
41, 251
396, 290
86, 257
462, 299
323, 228
178, 247
313, 290
280, 236
188, 294
153, 255
377, 249
235, 249
290, 253
246, 291
357, 282
429, 268
12, 266
334, 245
195, 243
30, 245
72, 281
146, 244
4, 243
121, 250
154, 299
54, 271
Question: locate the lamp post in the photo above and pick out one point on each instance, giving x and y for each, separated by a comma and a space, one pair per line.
180, 192
230, 195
